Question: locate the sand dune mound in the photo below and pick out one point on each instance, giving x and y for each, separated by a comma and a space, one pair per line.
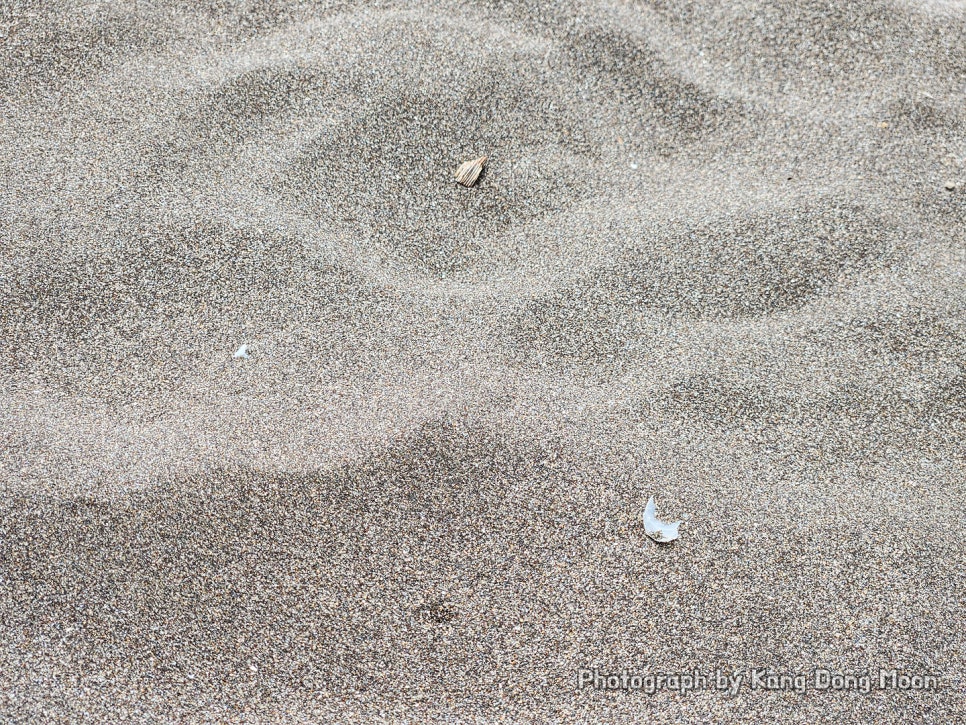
750, 265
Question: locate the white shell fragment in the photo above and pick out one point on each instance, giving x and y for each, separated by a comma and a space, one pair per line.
241, 352
469, 171
657, 529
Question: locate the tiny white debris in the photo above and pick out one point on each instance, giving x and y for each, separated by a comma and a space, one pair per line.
241, 352
634, 166
657, 529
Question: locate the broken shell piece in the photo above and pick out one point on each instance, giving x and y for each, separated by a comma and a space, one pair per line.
469, 171
241, 352
656, 529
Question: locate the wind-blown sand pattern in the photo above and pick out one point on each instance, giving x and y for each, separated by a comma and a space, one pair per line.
716, 256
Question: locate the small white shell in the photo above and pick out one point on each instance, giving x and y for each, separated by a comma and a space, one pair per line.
656, 529
241, 352
469, 171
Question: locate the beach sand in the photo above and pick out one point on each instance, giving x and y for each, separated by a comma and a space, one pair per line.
716, 256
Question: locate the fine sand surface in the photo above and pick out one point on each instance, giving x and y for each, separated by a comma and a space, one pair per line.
716, 257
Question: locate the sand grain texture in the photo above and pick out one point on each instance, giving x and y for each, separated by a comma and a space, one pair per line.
716, 256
